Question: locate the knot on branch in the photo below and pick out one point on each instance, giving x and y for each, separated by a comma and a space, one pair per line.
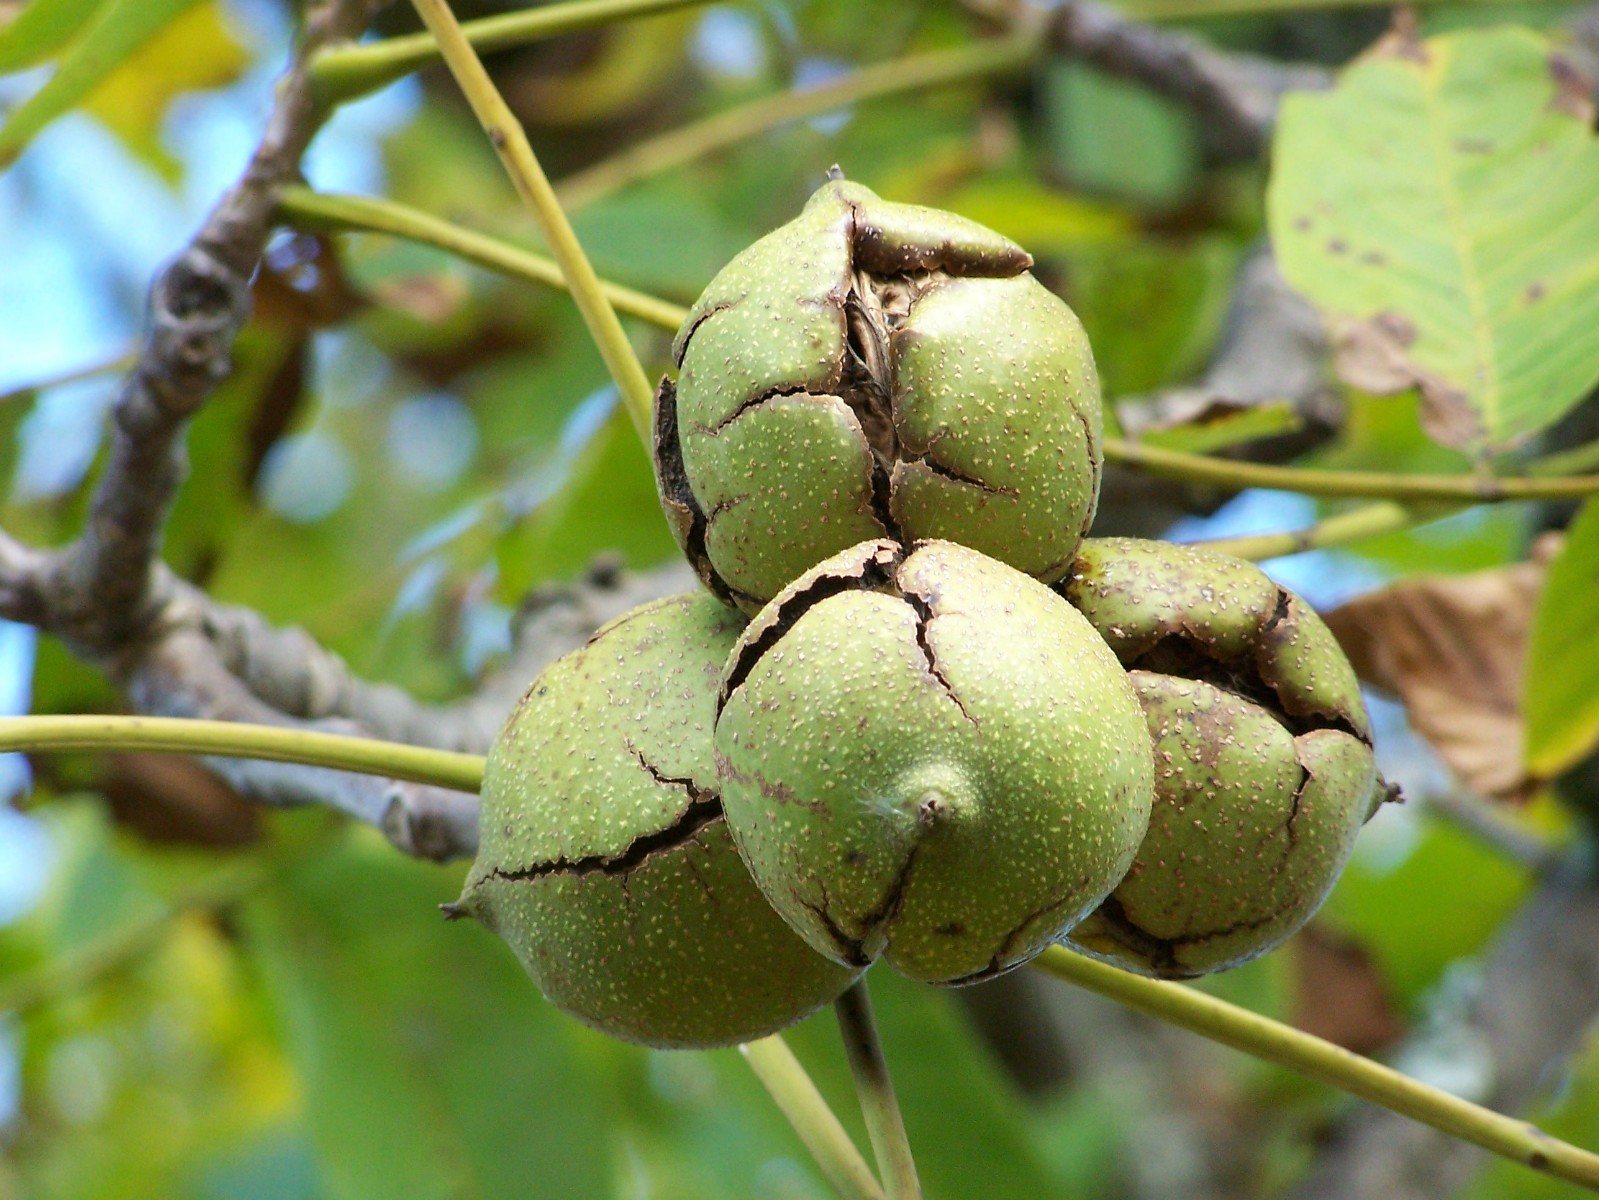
197, 306
431, 823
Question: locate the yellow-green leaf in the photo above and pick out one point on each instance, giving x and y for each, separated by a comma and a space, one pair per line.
120, 28
41, 29
1438, 207
1561, 699
197, 50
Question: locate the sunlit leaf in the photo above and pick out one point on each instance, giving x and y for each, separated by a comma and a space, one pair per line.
119, 29
41, 29
1437, 206
196, 50
1045, 220
1562, 686
633, 63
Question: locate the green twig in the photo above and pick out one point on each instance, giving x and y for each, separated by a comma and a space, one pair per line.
305, 209
236, 739
884, 1124
651, 156
344, 73
1367, 521
1326, 1063
1236, 476
1567, 462
510, 140
780, 1073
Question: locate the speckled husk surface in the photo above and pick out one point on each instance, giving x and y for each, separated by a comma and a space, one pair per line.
876, 369
605, 861
932, 758
1263, 763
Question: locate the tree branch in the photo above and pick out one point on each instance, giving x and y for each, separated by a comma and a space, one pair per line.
1235, 96
182, 676
105, 583
290, 671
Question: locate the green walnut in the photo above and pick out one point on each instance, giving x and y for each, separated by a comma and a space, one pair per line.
870, 370
931, 758
605, 861
1263, 765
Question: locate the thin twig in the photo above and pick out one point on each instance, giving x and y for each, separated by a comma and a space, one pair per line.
884, 1124
198, 304
997, 56
235, 739
305, 209
118, 363
1326, 1063
1368, 521
1236, 476
785, 1080
510, 141
343, 73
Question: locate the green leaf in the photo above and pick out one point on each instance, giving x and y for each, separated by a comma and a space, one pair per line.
606, 504
1437, 206
121, 28
1153, 156
430, 1065
1561, 697
1153, 307
41, 29
1402, 856
968, 1124
1042, 218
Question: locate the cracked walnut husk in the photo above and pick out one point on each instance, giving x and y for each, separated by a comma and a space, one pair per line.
874, 369
605, 861
930, 757
1264, 771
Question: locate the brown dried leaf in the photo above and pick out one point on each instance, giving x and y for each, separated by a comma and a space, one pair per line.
1453, 649
169, 799
430, 298
1373, 355
1573, 88
1339, 993
1402, 39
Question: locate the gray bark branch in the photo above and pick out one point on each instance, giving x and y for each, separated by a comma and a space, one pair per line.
1235, 96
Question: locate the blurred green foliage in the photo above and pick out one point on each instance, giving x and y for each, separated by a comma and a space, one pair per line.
324, 1034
